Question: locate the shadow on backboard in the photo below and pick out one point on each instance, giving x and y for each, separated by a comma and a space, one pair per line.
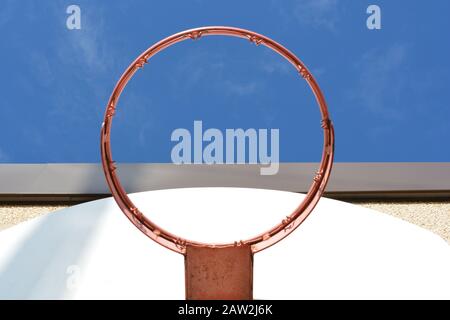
41, 266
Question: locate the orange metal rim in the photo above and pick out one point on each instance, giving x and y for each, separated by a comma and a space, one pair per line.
259, 242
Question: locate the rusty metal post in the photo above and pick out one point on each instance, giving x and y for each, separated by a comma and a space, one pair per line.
219, 273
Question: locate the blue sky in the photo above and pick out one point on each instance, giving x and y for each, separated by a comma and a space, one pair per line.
387, 90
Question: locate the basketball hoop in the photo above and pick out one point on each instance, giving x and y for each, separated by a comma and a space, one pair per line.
202, 253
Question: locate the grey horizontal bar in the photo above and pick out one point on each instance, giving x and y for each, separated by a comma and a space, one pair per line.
87, 179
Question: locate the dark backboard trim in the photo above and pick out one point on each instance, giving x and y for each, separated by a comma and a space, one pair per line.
82, 182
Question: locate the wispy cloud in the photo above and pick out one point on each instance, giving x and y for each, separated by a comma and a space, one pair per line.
314, 13
380, 80
3, 156
6, 12
241, 88
86, 47
41, 68
317, 72
197, 68
273, 64
87, 51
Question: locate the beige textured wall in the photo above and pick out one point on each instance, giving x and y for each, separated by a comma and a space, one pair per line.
434, 216
14, 214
